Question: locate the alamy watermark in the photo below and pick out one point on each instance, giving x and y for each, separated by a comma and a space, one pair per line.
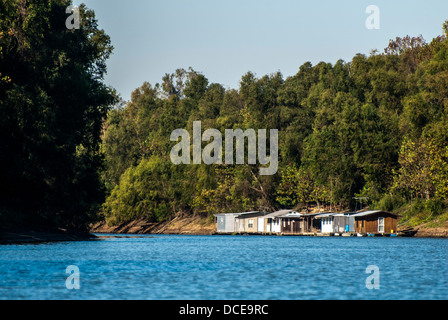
72, 281
373, 20
213, 152
73, 20
373, 280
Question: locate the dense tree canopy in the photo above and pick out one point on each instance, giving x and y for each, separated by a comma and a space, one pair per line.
375, 127
52, 104
352, 129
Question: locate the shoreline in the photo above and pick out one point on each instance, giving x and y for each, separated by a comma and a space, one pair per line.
179, 225
31, 237
420, 235
184, 225
25, 236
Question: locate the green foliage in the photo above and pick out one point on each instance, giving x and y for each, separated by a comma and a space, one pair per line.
355, 128
149, 190
435, 206
373, 127
390, 203
230, 191
421, 211
52, 105
423, 170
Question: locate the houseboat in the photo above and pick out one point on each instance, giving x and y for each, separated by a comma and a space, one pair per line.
290, 222
241, 222
326, 220
375, 222
272, 222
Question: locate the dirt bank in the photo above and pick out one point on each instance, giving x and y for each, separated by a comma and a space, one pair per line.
181, 224
432, 232
186, 224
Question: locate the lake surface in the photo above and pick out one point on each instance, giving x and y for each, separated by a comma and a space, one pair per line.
228, 267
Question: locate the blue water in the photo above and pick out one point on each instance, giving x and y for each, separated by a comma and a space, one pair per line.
227, 267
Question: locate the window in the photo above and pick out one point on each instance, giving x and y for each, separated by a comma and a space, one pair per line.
381, 224
250, 223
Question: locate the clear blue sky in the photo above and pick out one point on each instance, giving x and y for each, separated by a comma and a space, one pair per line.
225, 39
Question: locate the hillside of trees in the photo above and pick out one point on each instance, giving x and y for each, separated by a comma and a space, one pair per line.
374, 128
52, 105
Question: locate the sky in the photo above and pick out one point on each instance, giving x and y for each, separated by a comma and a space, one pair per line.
225, 39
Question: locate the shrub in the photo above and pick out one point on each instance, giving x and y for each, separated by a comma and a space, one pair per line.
434, 207
390, 203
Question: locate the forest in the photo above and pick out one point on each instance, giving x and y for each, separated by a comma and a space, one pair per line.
72, 152
53, 102
374, 128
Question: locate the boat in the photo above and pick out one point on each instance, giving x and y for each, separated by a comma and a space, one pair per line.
408, 232
359, 235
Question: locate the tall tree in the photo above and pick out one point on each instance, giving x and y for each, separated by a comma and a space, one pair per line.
52, 103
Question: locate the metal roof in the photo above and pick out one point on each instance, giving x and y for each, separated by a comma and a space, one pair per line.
324, 215
312, 214
291, 214
236, 213
278, 213
225, 214
242, 214
369, 212
250, 212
